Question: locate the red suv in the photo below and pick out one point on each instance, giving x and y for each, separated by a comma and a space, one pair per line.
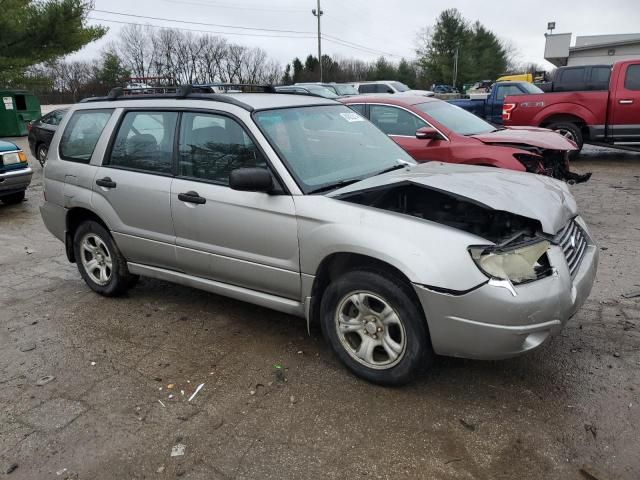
431, 129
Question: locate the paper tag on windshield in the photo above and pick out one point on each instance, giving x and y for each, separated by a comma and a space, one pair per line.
8, 103
352, 117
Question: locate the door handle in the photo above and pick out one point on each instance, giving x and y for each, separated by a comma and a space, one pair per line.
625, 102
106, 182
192, 197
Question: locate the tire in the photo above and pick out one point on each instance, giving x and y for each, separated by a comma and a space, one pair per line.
572, 132
41, 154
110, 276
13, 198
405, 325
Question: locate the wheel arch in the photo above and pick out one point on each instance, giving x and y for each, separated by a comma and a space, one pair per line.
75, 217
338, 263
577, 120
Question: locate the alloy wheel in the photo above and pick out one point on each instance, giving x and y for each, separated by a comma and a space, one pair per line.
370, 330
96, 258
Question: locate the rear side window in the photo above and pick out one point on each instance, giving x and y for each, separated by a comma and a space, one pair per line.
367, 88
572, 75
600, 75
395, 121
506, 90
145, 142
632, 80
82, 133
210, 146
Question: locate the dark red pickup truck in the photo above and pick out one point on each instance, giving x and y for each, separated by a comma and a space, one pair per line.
610, 117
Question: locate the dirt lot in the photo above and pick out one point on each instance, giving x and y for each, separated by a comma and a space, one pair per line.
573, 404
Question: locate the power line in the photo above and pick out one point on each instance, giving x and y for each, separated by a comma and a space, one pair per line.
198, 30
239, 7
199, 23
355, 46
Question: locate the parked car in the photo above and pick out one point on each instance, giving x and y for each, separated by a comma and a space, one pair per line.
608, 117
15, 173
41, 132
444, 89
389, 86
340, 89
490, 108
431, 129
310, 89
138, 87
299, 204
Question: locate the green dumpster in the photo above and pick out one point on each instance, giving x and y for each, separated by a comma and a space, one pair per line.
17, 109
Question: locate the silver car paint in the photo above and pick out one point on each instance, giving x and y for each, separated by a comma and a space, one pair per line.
267, 249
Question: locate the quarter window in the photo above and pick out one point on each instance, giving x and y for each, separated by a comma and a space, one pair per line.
145, 142
211, 146
82, 133
632, 80
395, 121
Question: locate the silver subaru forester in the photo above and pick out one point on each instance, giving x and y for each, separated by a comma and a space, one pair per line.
299, 204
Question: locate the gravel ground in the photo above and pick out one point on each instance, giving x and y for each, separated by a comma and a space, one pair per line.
572, 405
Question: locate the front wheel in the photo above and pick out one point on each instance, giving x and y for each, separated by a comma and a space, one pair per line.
41, 154
99, 261
375, 327
572, 132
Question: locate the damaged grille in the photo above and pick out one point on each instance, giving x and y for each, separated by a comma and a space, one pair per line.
573, 242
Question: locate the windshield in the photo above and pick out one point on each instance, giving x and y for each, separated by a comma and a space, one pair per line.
345, 89
455, 118
531, 88
400, 87
328, 145
321, 91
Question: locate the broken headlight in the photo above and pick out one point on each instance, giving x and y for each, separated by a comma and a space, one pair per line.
519, 264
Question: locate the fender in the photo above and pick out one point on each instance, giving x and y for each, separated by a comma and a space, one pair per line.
568, 109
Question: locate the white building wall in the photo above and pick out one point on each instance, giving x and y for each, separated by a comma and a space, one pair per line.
597, 56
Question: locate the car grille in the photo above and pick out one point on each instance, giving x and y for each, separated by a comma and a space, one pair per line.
573, 242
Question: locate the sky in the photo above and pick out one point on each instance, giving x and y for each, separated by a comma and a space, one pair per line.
365, 29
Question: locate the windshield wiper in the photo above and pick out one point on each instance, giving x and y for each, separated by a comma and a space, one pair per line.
391, 169
333, 186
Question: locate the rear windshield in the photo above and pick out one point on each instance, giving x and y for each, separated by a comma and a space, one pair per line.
455, 118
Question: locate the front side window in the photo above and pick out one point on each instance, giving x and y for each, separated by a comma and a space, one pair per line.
632, 80
145, 142
367, 88
395, 121
400, 87
455, 118
383, 88
328, 145
82, 133
506, 90
210, 146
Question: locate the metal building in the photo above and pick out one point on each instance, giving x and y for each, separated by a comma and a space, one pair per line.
590, 49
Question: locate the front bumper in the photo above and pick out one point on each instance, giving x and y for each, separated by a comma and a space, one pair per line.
491, 323
14, 181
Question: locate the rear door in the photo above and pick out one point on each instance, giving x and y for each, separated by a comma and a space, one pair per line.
248, 239
625, 105
133, 185
401, 125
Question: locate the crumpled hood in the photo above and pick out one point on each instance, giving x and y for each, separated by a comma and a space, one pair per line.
536, 137
533, 196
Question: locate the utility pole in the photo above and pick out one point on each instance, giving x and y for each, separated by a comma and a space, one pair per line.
455, 67
318, 13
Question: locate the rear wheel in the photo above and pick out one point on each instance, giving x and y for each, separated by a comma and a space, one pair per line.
41, 154
570, 131
13, 198
99, 261
375, 327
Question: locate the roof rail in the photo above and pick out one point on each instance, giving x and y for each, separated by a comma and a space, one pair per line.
241, 87
185, 92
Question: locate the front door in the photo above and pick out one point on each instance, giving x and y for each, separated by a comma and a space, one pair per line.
132, 187
401, 125
625, 105
248, 239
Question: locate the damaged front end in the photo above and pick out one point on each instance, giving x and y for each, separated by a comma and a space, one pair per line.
552, 163
517, 253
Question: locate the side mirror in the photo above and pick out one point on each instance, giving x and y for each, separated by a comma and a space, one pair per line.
251, 180
428, 133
